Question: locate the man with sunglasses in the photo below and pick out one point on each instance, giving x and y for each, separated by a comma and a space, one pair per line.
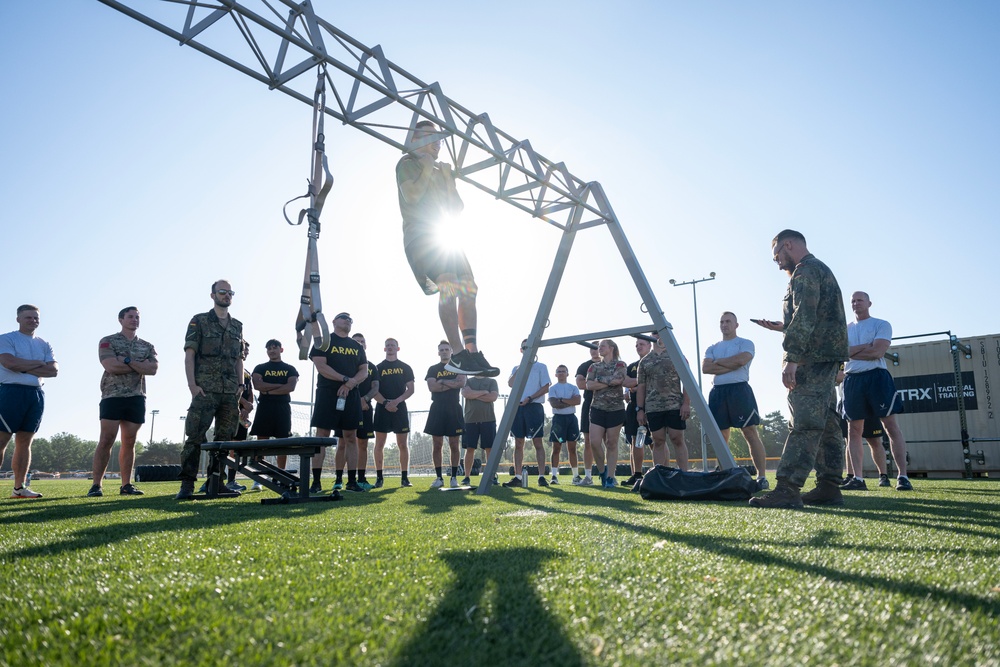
213, 363
427, 195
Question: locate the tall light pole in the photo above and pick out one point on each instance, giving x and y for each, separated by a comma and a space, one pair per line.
152, 424
697, 351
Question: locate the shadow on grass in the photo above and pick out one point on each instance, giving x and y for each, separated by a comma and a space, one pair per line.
925, 513
438, 501
167, 515
491, 609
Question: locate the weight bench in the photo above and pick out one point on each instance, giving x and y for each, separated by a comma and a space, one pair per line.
249, 459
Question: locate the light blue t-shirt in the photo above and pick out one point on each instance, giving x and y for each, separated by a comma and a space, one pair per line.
23, 347
538, 377
730, 348
866, 332
563, 390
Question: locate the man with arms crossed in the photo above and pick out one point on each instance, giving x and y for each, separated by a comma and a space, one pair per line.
342, 367
563, 397
870, 392
213, 363
529, 421
395, 385
480, 394
445, 416
274, 381
427, 195
127, 360
815, 344
25, 360
731, 400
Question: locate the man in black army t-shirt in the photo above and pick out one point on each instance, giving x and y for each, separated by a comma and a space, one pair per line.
275, 381
445, 417
395, 386
342, 366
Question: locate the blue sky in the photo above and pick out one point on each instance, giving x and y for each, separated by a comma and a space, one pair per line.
136, 172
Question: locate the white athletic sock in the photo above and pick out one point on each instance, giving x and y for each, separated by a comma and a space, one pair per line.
555, 473
588, 475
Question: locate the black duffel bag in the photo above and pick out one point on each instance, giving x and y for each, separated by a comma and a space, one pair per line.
664, 483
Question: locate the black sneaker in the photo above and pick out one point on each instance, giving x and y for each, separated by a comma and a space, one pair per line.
353, 486
95, 492
514, 483
542, 481
405, 482
316, 487
471, 363
883, 480
129, 490
466, 481
378, 483
903, 484
855, 484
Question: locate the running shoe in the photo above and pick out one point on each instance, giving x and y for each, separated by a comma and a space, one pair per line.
24, 492
437, 483
95, 492
128, 490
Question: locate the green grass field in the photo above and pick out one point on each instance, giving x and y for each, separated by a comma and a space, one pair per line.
560, 576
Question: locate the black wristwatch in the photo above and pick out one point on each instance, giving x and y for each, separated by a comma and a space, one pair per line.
127, 361
640, 408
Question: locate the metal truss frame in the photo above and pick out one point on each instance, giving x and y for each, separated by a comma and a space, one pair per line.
276, 42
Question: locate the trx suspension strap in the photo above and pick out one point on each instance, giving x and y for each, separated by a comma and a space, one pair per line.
310, 315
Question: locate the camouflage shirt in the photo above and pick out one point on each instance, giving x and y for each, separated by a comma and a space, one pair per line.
609, 399
663, 384
217, 352
127, 384
815, 325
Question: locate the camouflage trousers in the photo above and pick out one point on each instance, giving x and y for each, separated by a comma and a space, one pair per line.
223, 408
814, 438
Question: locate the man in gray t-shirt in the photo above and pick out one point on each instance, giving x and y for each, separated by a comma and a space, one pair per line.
480, 393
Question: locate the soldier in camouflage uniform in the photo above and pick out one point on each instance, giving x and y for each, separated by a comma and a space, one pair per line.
662, 404
213, 363
815, 344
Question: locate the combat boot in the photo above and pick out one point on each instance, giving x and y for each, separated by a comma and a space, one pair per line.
826, 493
187, 490
784, 496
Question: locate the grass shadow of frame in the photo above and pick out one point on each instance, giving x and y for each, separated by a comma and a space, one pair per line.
492, 608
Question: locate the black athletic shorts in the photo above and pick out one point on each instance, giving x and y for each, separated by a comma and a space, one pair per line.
391, 422
607, 418
585, 415
565, 428
733, 405
124, 409
668, 418
529, 421
272, 419
479, 433
870, 394
873, 428
327, 416
631, 422
429, 259
445, 419
21, 408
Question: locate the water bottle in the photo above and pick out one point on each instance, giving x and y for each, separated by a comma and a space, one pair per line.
341, 403
640, 438
524, 477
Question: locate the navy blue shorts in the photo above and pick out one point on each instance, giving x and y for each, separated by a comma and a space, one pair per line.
607, 418
529, 421
870, 394
445, 419
666, 419
124, 409
733, 405
21, 408
565, 428
327, 416
479, 433
391, 422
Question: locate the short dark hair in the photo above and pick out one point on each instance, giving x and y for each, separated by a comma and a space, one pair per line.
444, 342
125, 310
274, 342
27, 306
786, 234
357, 335
425, 124
220, 280
562, 366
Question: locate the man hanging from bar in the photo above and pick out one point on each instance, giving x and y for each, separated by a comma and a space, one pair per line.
427, 196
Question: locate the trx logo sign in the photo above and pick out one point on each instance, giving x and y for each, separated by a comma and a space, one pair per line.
936, 393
